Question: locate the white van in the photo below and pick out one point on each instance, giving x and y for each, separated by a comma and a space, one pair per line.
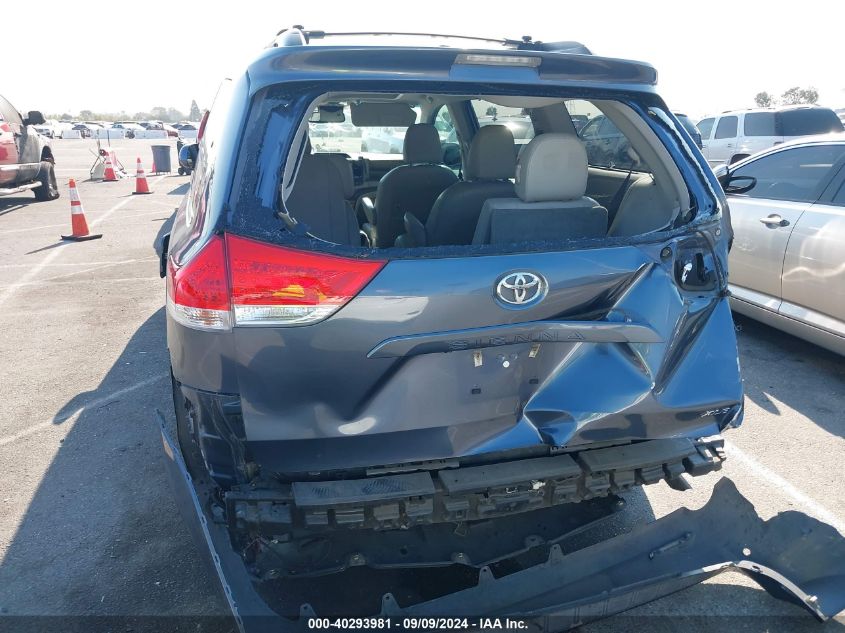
736, 134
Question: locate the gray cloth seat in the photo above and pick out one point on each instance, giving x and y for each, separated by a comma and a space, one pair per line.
491, 163
643, 209
551, 179
344, 169
316, 201
412, 187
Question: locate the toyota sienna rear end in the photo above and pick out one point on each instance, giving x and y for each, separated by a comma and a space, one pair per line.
477, 329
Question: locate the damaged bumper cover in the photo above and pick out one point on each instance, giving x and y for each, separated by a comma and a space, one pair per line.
791, 555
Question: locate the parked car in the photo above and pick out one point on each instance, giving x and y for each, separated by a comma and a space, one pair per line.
736, 134
579, 121
383, 140
520, 126
690, 127
131, 128
26, 158
86, 130
45, 130
160, 125
788, 213
345, 401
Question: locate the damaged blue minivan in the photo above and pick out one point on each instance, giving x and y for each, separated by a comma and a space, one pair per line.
393, 361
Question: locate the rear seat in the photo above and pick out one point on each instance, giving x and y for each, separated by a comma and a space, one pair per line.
491, 164
317, 201
551, 179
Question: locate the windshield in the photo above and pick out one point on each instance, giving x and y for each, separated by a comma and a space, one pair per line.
344, 137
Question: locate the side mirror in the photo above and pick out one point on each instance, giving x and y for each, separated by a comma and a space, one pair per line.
188, 156
162, 258
34, 118
452, 155
737, 184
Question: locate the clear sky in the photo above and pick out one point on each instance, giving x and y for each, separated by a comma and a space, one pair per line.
710, 57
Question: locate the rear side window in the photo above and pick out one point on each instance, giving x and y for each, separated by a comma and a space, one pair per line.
809, 121
794, 174
8, 112
759, 124
705, 126
726, 127
608, 147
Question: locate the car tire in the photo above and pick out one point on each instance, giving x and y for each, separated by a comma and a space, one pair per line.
736, 158
49, 189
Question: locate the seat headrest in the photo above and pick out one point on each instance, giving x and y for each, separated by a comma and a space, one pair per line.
492, 155
552, 167
422, 144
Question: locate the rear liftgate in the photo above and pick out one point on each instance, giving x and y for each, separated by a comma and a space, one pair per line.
792, 556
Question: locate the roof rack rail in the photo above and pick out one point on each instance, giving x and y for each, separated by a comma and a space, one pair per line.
297, 35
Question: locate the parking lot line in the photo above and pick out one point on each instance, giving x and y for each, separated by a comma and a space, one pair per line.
9, 439
772, 478
96, 266
10, 290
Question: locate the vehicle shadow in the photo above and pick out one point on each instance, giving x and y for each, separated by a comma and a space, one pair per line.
102, 545
780, 368
14, 203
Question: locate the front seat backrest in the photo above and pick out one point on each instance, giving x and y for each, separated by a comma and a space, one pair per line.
551, 178
643, 209
413, 187
491, 163
317, 202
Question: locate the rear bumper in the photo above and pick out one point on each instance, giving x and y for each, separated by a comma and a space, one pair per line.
465, 493
791, 555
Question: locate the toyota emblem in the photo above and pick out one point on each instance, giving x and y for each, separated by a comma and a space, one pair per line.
521, 289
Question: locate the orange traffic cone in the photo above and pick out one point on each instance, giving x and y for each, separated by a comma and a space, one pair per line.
141, 185
79, 227
108, 172
153, 169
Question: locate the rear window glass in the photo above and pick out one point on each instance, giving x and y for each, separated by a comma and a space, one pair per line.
810, 121
760, 124
301, 170
726, 127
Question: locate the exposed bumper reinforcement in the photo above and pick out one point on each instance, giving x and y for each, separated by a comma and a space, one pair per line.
790, 555
467, 493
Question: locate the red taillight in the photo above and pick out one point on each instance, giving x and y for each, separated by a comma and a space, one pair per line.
273, 285
198, 292
203, 122
239, 281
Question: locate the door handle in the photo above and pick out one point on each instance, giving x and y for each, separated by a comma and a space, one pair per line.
774, 220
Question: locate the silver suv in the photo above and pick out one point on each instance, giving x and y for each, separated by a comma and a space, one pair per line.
736, 134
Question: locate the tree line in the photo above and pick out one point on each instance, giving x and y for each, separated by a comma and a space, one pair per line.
159, 113
793, 96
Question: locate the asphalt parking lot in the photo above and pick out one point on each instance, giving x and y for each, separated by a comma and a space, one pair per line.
88, 526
